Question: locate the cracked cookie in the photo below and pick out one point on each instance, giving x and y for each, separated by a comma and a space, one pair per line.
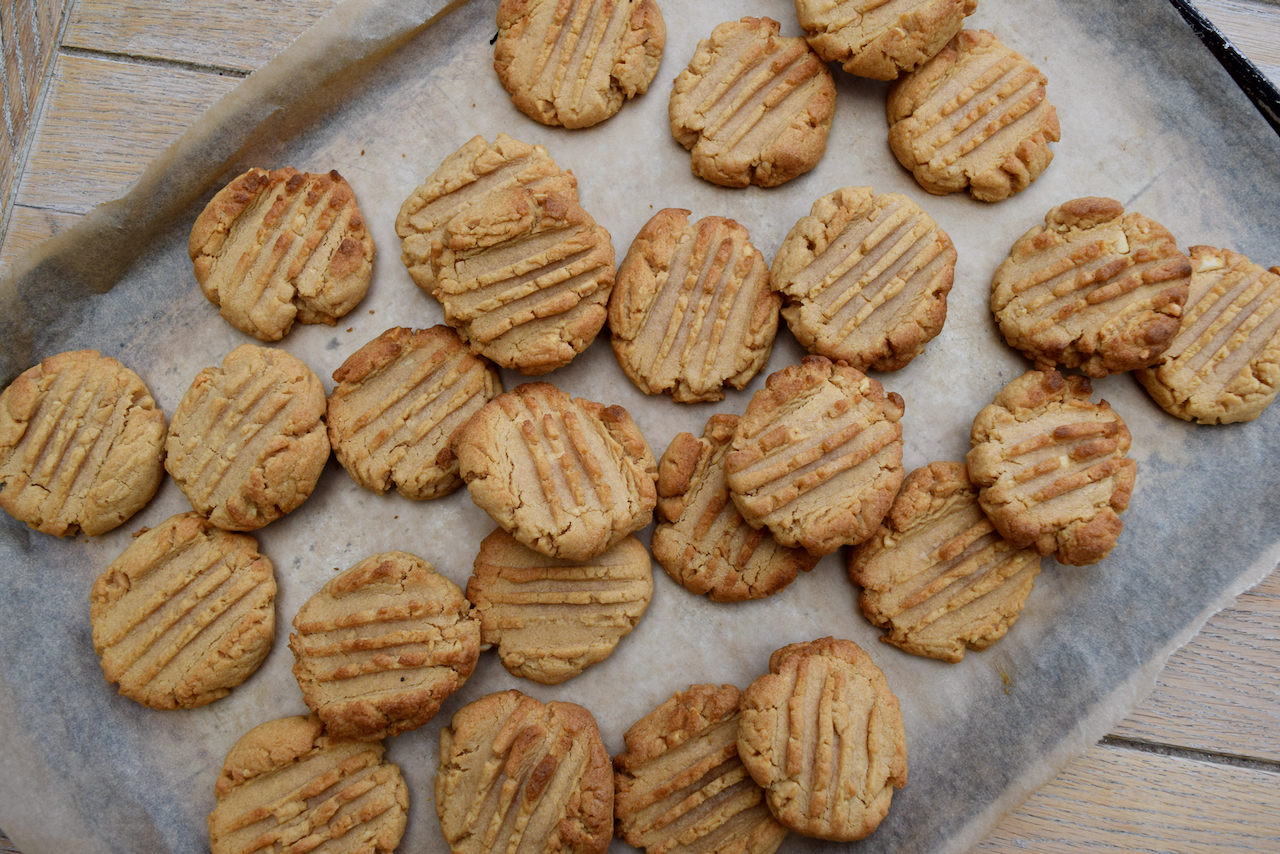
81, 445
184, 614
865, 278
567, 477
881, 39
692, 310
1052, 467
276, 247
817, 456
575, 64
398, 401
1094, 288
380, 646
823, 734
247, 442
937, 576
753, 107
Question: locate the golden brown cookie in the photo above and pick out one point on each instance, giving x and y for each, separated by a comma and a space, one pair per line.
937, 576
184, 614
575, 64
1052, 467
81, 445
247, 442
823, 734
380, 646
701, 539
817, 456
525, 278
274, 247
1094, 288
753, 107
1223, 365
398, 401
865, 278
975, 116
881, 39
692, 310
474, 171
680, 788
567, 477
288, 786
517, 775
552, 618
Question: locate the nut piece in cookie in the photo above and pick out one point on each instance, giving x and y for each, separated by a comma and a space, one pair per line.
881, 39
380, 646
525, 278
1223, 365
81, 445
275, 247
774, 127
471, 173
247, 442
1094, 288
1052, 467
937, 576
823, 734
552, 618
398, 401
184, 614
547, 761
975, 116
817, 456
692, 310
680, 787
286, 785
865, 278
701, 539
567, 477
576, 63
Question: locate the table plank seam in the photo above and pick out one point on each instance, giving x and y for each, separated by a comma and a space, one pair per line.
1194, 754
152, 61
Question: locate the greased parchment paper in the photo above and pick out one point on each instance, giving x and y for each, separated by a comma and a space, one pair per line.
1147, 118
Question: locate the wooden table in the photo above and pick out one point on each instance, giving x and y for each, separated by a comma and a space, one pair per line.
93, 89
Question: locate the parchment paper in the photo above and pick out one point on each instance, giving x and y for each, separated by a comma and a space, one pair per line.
1147, 117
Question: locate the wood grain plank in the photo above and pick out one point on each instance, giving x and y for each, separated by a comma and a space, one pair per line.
104, 122
240, 34
27, 228
1112, 799
1251, 25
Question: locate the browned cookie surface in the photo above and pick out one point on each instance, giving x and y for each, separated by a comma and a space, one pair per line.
1053, 467
275, 247
1223, 365
937, 576
975, 116
525, 278
518, 775
287, 786
576, 63
753, 107
81, 444
881, 38
817, 456
692, 310
398, 401
567, 477
701, 539
247, 442
466, 176
680, 787
552, 618
823, 734
865, 278
184, 614
1094, 288
379, 647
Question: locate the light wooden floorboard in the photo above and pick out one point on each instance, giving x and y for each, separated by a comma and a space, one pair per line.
1240, 22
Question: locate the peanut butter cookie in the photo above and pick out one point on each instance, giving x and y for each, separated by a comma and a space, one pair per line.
881, 39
